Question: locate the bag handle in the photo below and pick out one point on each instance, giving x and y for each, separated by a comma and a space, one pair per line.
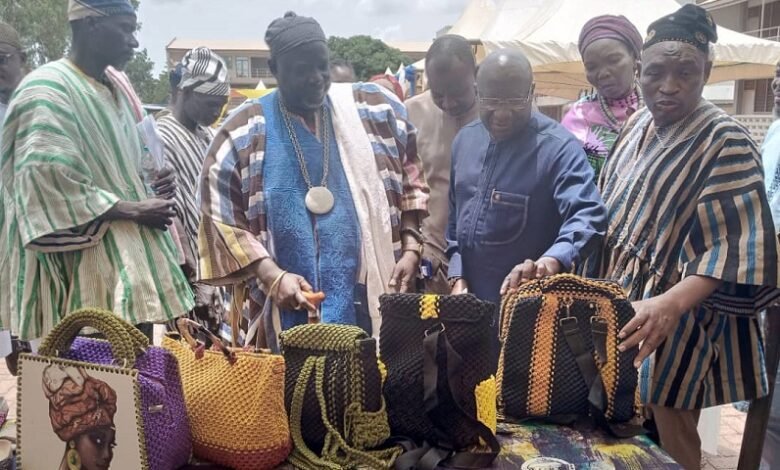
335, 443
236, 308
126, 340
434, 456
183, 325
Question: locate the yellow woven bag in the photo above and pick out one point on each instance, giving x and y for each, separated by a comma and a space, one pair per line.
235, 401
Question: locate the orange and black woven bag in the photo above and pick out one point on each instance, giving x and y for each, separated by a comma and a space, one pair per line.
440, 353
560, 357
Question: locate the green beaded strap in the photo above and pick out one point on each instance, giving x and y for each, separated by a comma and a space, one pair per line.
126, 340
336, 453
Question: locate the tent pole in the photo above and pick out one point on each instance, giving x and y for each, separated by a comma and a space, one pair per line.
761, 26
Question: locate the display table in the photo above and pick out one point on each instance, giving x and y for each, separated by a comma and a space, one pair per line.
573, 448
581, 447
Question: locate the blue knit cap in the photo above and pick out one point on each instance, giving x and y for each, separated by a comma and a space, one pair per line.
80, 9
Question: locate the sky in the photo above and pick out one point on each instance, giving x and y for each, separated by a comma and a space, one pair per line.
162, 20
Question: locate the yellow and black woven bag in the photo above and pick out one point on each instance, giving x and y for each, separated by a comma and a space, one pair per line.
333, 395
440, 353
559, 355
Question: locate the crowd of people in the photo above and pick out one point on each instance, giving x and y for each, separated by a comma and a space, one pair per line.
345, 188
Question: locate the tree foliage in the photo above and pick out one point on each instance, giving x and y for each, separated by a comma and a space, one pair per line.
43, 26
151, 89
368, 56
45, 32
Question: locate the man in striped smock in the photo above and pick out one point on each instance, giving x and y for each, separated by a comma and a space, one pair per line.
79, 230
203, 91
690, 238
313, 187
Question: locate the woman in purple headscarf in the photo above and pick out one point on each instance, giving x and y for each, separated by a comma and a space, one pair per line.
611, 48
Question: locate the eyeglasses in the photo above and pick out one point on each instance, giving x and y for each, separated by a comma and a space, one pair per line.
5, 58
513, 104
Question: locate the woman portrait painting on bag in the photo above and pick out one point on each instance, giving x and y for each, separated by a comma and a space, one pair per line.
79, 416
81, 410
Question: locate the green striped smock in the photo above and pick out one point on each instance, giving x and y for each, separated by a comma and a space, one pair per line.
70, 151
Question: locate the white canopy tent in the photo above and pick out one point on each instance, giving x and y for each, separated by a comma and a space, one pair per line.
548, 30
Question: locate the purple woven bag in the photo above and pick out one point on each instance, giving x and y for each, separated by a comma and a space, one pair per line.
166, 425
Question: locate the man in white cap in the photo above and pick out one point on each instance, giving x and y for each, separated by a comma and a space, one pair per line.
79, 229
203, 92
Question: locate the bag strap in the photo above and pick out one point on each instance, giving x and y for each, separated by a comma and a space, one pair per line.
430, 457
335, 444
183, 324
236, 309
126, 340
597, 396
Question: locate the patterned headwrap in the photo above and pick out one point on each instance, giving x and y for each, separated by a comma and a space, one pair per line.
611, 27
203, 71
8, 35
291, 31
690, 24
77, 402
80, 9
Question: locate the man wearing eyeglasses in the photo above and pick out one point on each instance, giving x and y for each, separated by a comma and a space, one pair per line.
12, 60
523, 204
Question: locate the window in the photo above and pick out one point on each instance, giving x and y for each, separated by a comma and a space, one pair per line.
763, 96
242, 67
228, 62
259, 67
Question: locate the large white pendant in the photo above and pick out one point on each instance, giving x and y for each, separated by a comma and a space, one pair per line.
319, 200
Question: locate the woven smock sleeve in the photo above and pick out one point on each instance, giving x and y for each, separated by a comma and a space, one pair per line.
46, 174
394, 137
732, 236
232, 233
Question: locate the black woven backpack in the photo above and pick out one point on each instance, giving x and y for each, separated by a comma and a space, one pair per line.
441, 356
333, 395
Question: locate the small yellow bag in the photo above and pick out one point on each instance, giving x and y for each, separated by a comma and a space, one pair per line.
235, 401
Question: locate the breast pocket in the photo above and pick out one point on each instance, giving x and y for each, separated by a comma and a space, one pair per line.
506, 218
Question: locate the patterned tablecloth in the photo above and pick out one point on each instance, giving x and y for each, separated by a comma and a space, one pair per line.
581, 448
543, 447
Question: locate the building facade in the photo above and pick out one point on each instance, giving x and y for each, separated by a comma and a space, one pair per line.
759, 18
247, 61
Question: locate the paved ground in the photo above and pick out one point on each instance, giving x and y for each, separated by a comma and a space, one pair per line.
732, 424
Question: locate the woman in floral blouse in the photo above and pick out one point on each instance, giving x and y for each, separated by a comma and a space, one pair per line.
610, 47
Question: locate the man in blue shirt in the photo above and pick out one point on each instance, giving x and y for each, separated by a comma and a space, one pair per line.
523, 204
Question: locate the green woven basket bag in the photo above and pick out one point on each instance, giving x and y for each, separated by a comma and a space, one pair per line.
333, 395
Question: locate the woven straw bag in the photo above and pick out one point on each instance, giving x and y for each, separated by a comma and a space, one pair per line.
560, 356
334, 398
235, 401
440, 352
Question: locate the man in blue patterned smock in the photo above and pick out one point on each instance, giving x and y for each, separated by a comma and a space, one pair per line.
313, 187
690, 238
